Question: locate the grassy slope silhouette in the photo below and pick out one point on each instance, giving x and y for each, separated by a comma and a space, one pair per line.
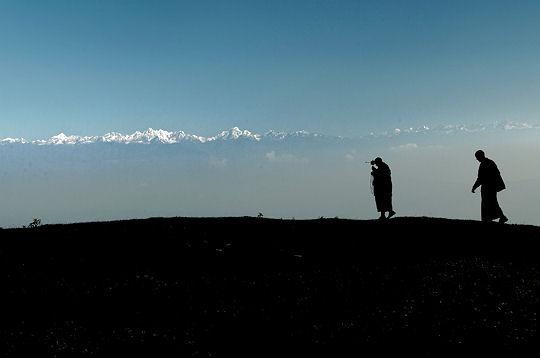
208, 285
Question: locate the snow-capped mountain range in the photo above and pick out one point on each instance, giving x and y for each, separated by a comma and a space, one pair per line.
459, 128
236, 134
164, 137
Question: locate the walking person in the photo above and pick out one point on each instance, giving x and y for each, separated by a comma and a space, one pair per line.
382, 187
491, 181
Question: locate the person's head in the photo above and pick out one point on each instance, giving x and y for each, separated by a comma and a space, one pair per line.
377, 161
480, 155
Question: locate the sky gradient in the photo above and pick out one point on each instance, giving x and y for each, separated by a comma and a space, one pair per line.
336, 67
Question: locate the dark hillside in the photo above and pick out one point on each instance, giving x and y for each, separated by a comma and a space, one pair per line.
205, 286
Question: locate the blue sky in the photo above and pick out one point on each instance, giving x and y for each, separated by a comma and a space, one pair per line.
338, 67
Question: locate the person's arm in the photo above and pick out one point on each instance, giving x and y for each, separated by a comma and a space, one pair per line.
476, 185
478, 181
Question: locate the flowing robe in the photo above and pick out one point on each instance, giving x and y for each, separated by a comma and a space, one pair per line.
491, 181
382, 187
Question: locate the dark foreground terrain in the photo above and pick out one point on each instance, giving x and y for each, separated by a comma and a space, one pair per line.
205, 287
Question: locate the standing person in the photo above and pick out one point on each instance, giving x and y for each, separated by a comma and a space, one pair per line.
491, 181
382, 187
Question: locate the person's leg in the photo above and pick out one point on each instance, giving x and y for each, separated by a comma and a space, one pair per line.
499, 212
391, 211
490, 206
486, 206
379, 201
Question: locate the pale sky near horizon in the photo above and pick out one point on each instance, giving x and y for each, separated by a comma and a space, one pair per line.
337, 67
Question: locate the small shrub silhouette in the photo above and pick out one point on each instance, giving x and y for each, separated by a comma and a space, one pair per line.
35, 223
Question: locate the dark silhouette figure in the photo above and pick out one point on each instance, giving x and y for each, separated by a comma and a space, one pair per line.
382, 187
491, 181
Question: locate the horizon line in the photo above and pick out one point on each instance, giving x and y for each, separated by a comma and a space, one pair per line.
234, 133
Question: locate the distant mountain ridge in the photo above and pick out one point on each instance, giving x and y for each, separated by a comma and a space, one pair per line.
166, 137
236, 134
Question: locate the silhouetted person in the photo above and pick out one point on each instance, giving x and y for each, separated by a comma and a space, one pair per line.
491, 181
382, 187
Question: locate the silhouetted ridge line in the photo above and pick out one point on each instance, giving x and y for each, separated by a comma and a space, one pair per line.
144, 285
395, 237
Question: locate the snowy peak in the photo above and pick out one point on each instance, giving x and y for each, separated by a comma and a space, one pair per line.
68, 139
61, 139
13, 141
112, 137
236, 133
275, 135
149, 136
233, 134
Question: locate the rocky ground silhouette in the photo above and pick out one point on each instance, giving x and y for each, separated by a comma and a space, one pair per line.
210, 286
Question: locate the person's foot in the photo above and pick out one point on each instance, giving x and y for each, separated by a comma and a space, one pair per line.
503, 219
391, 213
382, 217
